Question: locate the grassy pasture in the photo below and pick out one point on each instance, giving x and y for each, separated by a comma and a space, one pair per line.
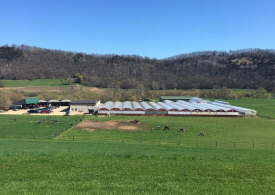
32, 83
140, 162
27, 127
220, 132
264, 107
60, 167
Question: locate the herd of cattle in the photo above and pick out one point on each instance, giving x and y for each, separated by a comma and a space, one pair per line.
166, 127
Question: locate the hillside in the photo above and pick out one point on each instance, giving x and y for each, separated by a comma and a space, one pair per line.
250, 68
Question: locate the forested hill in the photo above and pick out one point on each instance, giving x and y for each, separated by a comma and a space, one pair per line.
250, 68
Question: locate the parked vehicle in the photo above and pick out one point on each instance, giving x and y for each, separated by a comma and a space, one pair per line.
33, 111
45, 111
4, 108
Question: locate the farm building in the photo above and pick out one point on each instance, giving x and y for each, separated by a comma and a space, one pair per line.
43, 103
174, 98
65, 102
197, 107
53, 103
85, 106
25, 103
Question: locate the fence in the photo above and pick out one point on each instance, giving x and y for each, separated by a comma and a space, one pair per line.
167, 141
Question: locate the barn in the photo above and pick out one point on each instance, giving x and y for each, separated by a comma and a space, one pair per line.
25, 103
65, 102
53, 103
85, 106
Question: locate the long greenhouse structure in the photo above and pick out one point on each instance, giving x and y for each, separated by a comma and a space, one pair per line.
195, 107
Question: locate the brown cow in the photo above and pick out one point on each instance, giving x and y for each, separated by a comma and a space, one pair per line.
166, 127
134, 121
181, 129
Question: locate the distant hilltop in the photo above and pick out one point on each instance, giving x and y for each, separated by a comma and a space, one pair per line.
247, 68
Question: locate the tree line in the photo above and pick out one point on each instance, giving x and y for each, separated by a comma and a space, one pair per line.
243, 69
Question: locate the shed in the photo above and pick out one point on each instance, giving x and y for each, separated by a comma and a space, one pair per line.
65, 102
43, 103
25, 103
53, 102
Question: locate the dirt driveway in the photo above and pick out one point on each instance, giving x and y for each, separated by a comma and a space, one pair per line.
119, 124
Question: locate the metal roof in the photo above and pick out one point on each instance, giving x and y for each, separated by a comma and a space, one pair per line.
32, 100
167, 107
126, 105
146, 106
175, 97
117, 105
53, 101
65, 100
156, 106
85, 102
136, 105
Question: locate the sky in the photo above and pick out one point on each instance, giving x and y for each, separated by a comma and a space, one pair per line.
152, 28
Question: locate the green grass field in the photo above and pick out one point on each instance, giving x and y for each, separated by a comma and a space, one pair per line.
264, 107
236, 156
32, 83
34, 127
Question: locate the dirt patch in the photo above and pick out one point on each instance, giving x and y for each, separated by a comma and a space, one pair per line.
121, 125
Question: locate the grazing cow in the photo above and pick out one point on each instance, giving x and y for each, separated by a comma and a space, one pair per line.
158, 127
181, 129
202, 134
166, 127
134, 121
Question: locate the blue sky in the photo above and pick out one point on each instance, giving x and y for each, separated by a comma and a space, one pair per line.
153, 28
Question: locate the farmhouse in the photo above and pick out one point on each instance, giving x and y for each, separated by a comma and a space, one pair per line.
25, 103
85, 106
